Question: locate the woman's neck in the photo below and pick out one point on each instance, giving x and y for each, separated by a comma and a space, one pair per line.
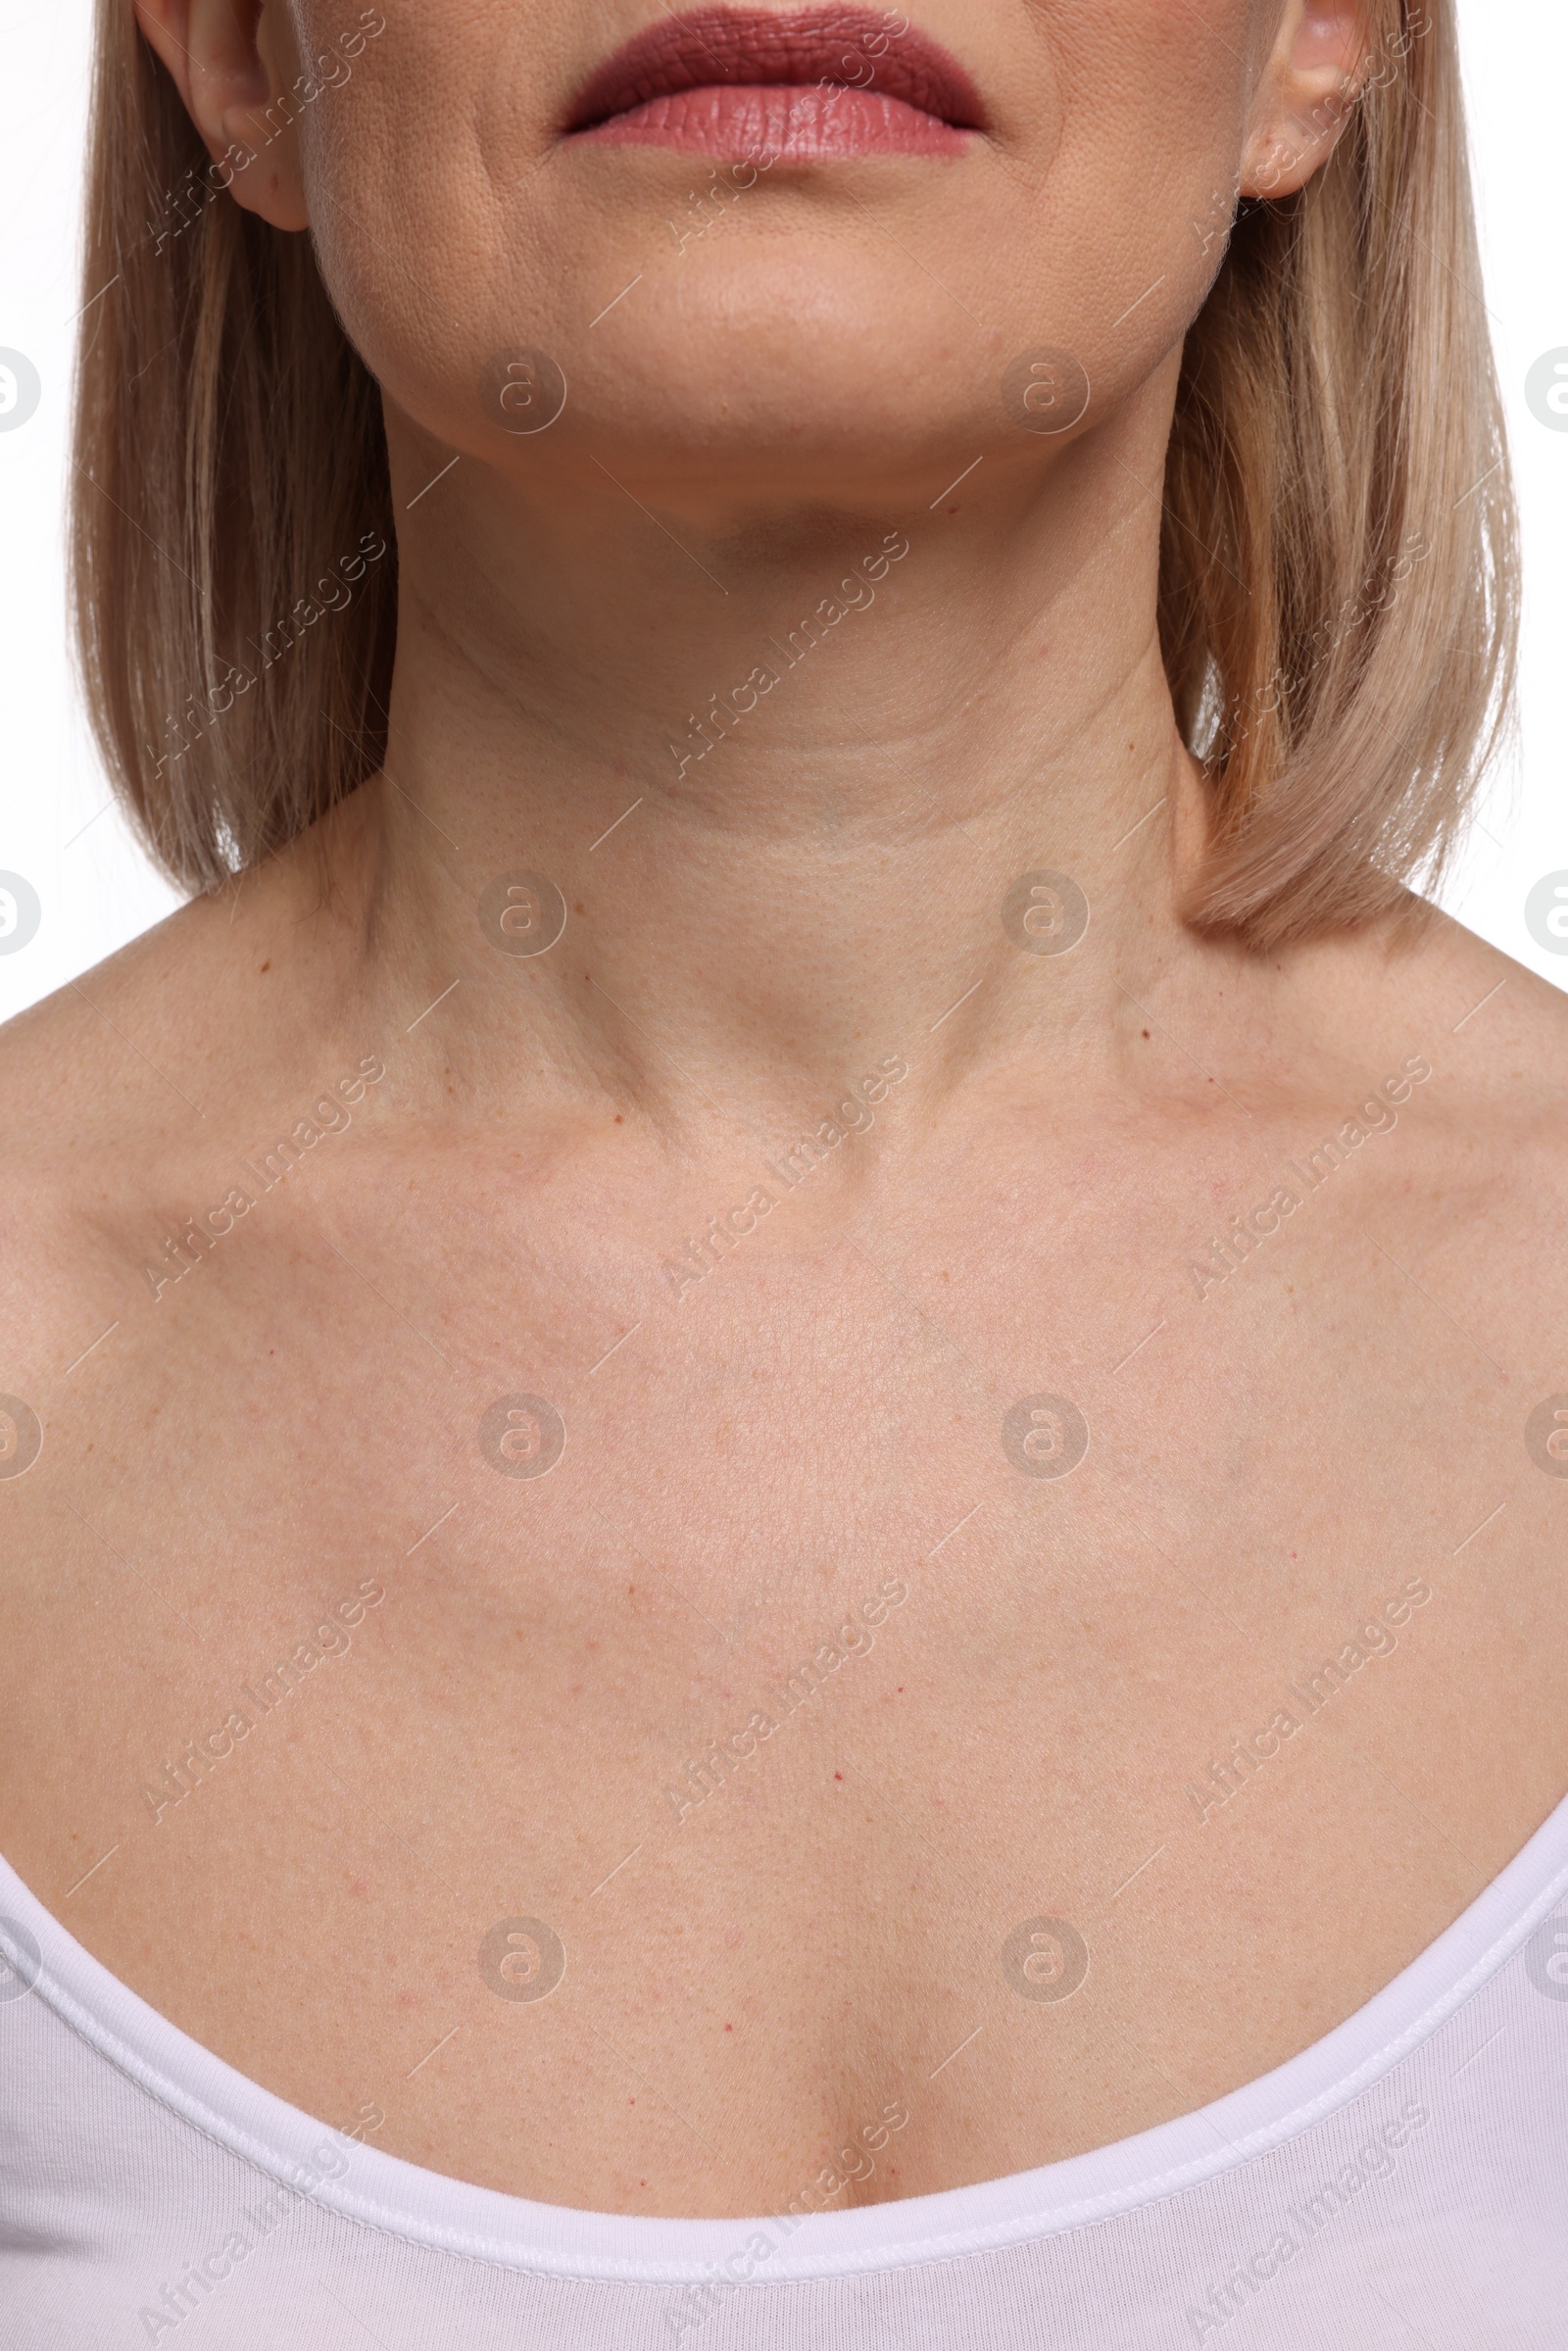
784, 762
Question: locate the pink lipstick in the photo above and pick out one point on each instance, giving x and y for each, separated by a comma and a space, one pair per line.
794, 87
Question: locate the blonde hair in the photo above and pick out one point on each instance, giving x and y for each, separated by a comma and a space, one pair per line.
1339, 579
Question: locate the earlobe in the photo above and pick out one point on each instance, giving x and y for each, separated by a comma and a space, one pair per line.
1316, 73
233, 64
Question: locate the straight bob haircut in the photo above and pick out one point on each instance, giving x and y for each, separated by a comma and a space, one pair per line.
1339, 582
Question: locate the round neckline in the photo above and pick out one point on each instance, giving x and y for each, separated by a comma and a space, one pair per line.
437, 2210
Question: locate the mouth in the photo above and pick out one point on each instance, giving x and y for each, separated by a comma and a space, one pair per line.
798, 86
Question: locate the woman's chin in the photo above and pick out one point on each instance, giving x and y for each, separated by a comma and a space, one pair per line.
763, 416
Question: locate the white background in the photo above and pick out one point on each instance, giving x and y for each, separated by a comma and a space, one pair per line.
97, 889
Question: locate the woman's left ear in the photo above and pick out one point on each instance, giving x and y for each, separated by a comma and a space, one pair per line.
233, 64
1313, 77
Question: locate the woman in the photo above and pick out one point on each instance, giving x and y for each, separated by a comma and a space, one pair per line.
786, 1457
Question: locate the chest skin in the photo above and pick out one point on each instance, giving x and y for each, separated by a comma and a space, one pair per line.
970, 1687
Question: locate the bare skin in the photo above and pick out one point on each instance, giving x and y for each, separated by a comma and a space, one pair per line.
1045, 1667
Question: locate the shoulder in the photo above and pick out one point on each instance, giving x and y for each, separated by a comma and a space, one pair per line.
1481, 1179
100, 1090
1495, 1033
119, 1087
1497, 1037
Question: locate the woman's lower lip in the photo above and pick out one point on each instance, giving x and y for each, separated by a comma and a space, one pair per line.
780, 122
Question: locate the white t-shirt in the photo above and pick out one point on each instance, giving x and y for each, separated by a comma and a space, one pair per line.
1402, 2183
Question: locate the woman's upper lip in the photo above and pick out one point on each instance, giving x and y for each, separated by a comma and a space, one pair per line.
701, 48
